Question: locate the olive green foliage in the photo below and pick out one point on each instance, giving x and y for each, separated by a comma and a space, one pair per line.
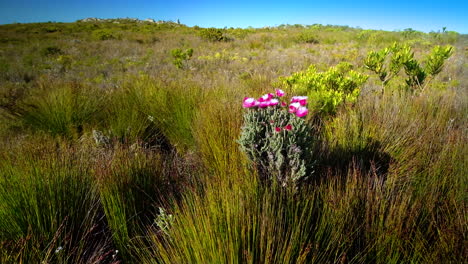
284, 155
329, 89
213, 34
51, 50
308, 37
388, 62
106, 34
180, 57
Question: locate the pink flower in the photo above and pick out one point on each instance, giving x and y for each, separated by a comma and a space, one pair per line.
280, 93
299, 99
293, 107
278, 129
274, 102
249, 102
264, 104
302, 111
288, 127
265, 97
283, 104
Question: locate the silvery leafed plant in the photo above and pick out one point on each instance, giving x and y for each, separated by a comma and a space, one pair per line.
277, 139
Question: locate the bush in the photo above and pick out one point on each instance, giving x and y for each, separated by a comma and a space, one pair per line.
388, 62
277, 142
180, 57
307, 37
51, 50
328, 90
105, 34
213, 34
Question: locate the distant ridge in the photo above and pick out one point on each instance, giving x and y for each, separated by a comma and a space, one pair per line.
113, 20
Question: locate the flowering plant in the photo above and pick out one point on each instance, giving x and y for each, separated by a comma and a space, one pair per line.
276, 138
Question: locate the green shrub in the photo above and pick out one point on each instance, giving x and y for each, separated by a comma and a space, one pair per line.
327, 90
213, 34
51, 50
105, 34
180, 57
278, 143
388, 62
307, 37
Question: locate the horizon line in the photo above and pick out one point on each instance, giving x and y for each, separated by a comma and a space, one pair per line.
243, 27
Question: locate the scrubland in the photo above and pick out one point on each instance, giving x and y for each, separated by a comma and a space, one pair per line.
120, 144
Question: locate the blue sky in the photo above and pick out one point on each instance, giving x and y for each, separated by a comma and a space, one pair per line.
388, 15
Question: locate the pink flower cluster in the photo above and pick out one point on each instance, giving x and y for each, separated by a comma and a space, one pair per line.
297, 105
264, 101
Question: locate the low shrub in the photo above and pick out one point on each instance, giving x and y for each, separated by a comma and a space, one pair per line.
278, 142
51, 50
105, 34
388, 62
180, 57
307, 37
329, 89
213, 34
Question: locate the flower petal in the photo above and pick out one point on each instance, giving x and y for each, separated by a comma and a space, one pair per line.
248, 102
280, 93
302, 111
293, 107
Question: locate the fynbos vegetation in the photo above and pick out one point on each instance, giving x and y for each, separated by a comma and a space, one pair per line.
388, 62
125, 141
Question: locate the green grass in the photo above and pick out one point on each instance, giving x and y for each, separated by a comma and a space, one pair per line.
60, 110
48, 201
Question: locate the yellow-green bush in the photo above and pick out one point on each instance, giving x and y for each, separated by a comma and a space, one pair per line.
329, 89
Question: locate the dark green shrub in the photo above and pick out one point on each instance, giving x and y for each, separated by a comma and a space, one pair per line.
105, 34
307, 37
213, 34
50, 29
51, 50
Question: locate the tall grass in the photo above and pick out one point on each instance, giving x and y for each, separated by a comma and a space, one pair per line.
63, 109
359, 214
132, 186
169, 106
49, 205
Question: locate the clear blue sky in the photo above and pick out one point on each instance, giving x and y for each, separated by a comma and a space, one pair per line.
387, 15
